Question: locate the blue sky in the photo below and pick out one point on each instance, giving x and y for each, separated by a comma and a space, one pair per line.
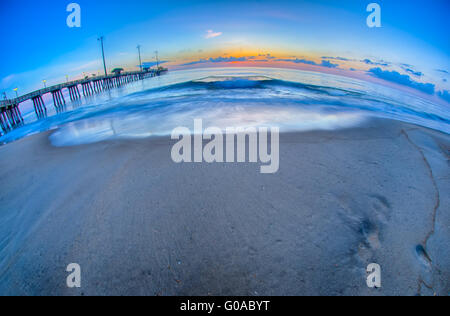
412, 42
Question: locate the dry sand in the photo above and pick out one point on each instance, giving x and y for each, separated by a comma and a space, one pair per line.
137, 223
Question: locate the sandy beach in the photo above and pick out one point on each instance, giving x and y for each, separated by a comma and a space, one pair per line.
139, 224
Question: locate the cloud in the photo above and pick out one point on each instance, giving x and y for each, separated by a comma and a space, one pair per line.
337, 58
444, 95
396, 77
299, 61
414, 73
267, 56
212, 34
410, 69
227, 59
328, 64
375, 63
216, 60
324, 63
443, 71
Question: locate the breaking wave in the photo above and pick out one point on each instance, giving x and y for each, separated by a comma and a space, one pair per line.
323, 102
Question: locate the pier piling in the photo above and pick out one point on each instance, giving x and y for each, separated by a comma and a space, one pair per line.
11, 117
58, 100
39, 106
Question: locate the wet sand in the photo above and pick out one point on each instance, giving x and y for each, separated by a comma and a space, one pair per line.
139, 224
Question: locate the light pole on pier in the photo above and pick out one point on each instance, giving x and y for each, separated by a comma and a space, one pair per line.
157, 60
140, 61
103, 54
45, 83
15, 90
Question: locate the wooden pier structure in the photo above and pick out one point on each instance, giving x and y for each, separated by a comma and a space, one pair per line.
11, 116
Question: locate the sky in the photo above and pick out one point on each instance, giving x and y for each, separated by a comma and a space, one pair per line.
411, 48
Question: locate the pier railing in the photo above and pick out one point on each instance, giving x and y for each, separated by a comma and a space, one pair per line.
29, 96
11, 117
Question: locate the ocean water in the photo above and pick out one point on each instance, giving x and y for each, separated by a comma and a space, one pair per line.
292, 100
